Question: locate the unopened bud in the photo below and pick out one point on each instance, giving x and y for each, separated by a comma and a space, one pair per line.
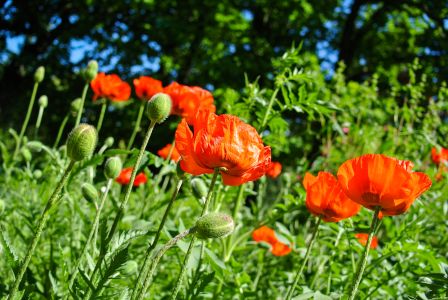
158, 107
43, 101
81, 142
112, 168
214, 225
199, 188
75, 106
35, 146
91, 70
2, 206
26, 154
109, 141
89, 192
39, 74
37, 174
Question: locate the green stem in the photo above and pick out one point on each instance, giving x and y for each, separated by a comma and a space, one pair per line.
81, 107
27, 119
91, 234
61, 130
362, 264
307, 255
39, 120
193, 239
147, 262
268, 110
137, 124
40, 227
157, 258
236, 209
120, 212
101, 118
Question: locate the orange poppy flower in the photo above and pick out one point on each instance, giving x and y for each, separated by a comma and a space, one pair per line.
439, 157
110, 87
163, 153
146, 87
224, 142
363, 237
125, 177
274, 169
187, 101
374, 180
326, 199
266, 234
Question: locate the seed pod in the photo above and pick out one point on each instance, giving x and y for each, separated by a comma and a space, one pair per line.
89, 192
214, 225
75, 106
39, 74
158, 107
112, 168
91, 70
2, 206
43, 101
199, 188
130, 267
81, 142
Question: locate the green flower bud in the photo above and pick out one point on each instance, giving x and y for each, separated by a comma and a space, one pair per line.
81, 142
37, 174
200, 189
89, 192
158, 107
35, 146
109, 141
91, 70
75, 106
130, 267
43, 101
112, 168
214, 225
39, 74
26, 154
2, 206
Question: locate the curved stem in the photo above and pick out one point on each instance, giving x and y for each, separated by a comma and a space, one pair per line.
91, 234
81, 107
61, 130
40, 227
193, 239
307, 255
147, 261
157, 258
101, 118
39, 120
137, 124
120, 212
268, 110
27, 119
363, 262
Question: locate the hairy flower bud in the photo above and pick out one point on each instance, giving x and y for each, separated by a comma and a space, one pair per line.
91, 70
199, 188
81, 142
39, 74
158, 107
112, 168
43, 101
109, 141
89, 192
214, 225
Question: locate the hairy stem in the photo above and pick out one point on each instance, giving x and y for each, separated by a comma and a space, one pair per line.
81, 107
61, 130
101, 118
137, 124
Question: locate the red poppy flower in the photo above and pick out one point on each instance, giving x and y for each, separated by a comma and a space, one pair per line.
146, 87
187, 101
125, 177
175, 156
266, 234
439, 156
224, 142
374, 180
363, 237
326, 199
274, 169
110, 87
